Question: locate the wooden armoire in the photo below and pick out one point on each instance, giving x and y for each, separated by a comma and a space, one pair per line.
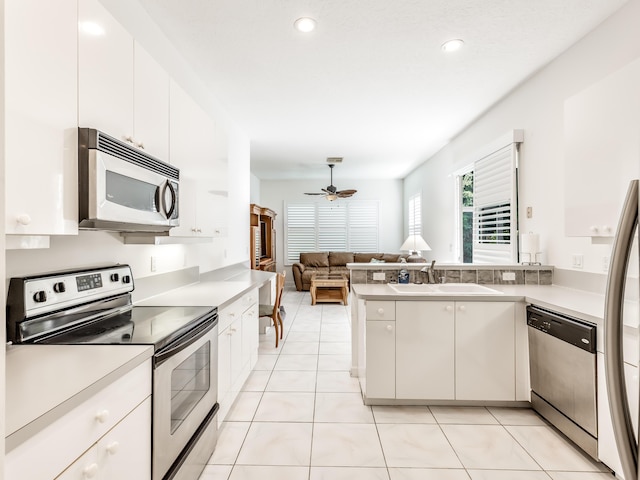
263, 238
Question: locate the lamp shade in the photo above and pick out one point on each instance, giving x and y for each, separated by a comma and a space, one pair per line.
415, 243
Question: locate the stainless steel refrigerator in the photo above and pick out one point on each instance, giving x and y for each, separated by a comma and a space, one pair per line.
625, 437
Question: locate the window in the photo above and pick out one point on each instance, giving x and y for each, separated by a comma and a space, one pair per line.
466, 216
415, 214
487, 204
330, 227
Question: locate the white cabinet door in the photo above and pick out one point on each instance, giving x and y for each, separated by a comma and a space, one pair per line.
425, 350
485, 350
151, 104
189, 131
237, 365
250, 336
380, 359
125, 452
601, 135
105, 73
224, 371
41, 116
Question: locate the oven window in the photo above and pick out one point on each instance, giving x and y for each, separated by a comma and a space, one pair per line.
132, 193
190, 381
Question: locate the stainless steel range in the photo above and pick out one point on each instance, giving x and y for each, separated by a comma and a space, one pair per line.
93, 306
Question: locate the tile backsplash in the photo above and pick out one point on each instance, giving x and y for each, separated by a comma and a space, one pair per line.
486, 275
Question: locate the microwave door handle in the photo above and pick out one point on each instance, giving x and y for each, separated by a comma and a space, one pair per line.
169, 211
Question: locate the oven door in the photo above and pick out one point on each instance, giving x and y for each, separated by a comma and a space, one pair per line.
125, 193
185, 390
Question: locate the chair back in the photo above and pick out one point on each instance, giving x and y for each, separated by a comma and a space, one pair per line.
279, 289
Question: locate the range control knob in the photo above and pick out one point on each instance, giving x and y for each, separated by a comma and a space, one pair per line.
126, 279
40, 296
114, 277
59, 287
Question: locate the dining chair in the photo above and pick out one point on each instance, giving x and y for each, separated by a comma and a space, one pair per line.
273, 311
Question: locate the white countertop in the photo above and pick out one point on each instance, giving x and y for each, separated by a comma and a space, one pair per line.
43, 382
211, 292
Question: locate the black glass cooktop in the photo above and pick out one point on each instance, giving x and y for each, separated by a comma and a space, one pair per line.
156, 326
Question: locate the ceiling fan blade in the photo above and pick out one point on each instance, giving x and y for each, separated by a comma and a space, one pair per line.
345, 193
327, 191
318, 193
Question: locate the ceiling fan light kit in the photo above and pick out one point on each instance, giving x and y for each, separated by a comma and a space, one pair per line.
331, 193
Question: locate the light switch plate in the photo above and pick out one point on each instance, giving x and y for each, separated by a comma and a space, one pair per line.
378, 276
508, 276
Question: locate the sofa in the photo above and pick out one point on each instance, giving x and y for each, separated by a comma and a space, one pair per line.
333, 262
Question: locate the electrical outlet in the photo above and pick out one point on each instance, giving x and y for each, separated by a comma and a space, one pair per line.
508, 276
577, 260
153, 263
378, 276
529, 212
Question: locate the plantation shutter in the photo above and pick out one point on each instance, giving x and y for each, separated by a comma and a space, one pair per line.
301, 230
495, 227
330, 227
415, 214
363, 227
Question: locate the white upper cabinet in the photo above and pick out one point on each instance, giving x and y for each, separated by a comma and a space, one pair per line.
602, 152
105, 74
41, 117
122, 90
150, 104
192, 134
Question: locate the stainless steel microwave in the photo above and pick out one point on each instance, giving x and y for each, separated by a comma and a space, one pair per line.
122, 188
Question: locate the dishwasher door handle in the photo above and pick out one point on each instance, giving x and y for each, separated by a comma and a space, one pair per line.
613, 354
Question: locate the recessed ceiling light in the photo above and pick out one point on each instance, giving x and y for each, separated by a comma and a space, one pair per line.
452, 45
305, 24
91, 28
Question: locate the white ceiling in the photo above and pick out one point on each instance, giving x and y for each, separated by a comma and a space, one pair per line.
371, 83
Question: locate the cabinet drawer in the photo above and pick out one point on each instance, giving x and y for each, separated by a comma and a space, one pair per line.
50, 451
381, 310
234, 311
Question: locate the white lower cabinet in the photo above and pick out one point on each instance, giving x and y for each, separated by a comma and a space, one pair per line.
124, 452
381, 359
424, 350
237, 348
106, 437
441, 350
485, 351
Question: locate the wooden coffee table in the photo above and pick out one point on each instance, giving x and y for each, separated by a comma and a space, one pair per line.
329, 287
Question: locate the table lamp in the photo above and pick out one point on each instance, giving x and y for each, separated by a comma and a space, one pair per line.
414, 244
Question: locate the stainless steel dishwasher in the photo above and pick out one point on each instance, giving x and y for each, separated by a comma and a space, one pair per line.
562, 362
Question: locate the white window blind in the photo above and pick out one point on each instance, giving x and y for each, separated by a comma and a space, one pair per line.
415, 214
330, 227
495, 207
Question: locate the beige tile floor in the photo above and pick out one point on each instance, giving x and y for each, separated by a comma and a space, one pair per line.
300, 416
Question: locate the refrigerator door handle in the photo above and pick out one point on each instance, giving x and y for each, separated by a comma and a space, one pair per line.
613, 354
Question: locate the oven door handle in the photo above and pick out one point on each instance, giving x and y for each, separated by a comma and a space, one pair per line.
184, 342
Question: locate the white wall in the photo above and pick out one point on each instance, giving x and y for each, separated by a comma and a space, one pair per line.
96, 248
536, 106
388, 192
255, 189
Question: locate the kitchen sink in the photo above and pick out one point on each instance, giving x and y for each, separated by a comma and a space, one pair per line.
443, 288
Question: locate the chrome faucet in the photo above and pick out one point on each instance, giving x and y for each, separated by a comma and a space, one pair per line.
430, 271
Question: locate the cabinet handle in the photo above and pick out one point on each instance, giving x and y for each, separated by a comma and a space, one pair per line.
90, 471
102, 416
199, 230
389, 328
448, 308
233, 330
128, 138
113, 448
381, 311
24, 219
232, 314
593, 229
193, 229
462, 308
140, 145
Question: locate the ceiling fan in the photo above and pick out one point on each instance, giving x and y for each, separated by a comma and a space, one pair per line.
331, 193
